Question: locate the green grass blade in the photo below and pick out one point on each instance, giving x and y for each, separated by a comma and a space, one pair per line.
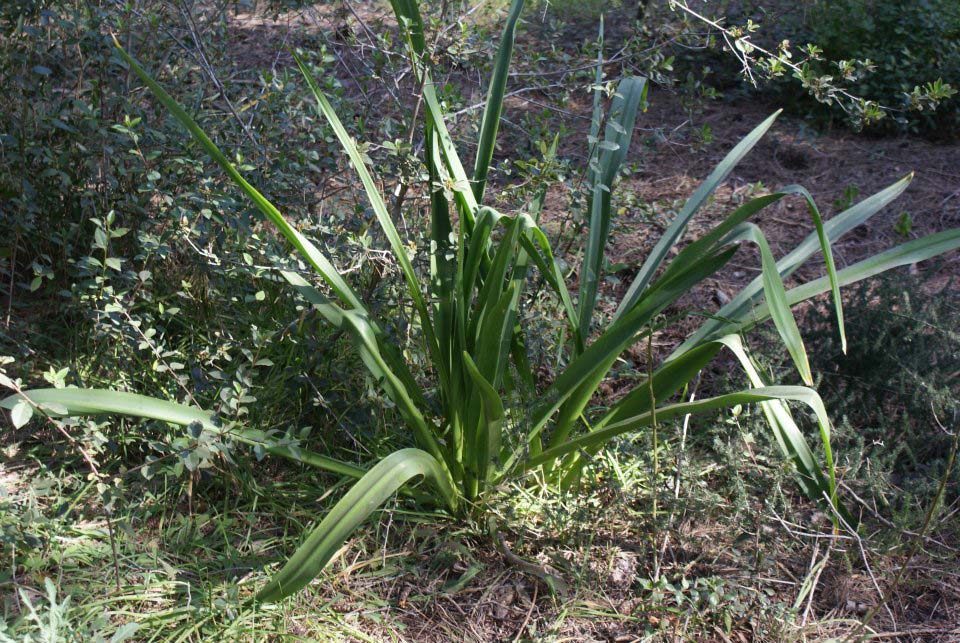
676, 229
371, 491
69, 402
494, 106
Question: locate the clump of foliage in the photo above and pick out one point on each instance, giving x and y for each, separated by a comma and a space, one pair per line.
470, 424
899, 383
884, 65
902, 55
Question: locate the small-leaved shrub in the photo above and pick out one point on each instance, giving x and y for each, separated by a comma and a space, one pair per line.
910, 45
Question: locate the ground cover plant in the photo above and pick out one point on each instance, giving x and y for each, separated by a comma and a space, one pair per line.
472, 431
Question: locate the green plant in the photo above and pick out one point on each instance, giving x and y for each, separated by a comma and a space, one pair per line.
472, 430
898, 384
911, 50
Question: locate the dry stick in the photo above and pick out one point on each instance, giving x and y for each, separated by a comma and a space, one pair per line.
866, 563
526, 619
816, 569
860, 633
208, 68
678, 475
13, 274
656, 456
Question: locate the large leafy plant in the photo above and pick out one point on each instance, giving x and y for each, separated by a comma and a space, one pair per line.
470, 429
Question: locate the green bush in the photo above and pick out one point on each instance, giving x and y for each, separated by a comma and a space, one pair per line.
899, 380
911, 44
897, 385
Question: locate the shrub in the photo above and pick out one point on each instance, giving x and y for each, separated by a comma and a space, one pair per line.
899, 382
910, 44
470, 426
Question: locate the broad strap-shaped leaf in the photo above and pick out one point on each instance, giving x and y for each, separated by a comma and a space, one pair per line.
444, 267
494, 106
771, 397
628, 328
308, 251
586, 371
67, 402
671, 411
776, 296
612, 151
905, 254
676, 228
791, 441
365, 497
488, 438
383, 216
706, 243
738, 308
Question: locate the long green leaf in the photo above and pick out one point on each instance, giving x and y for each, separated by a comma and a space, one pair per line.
776, 296
706, 243
383, 216
612, 151
68, 402
371, 491
670, 411
739, 307
310, 252
676, 229
580, 378
388, 351
905, 254
488, 439
494, 106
